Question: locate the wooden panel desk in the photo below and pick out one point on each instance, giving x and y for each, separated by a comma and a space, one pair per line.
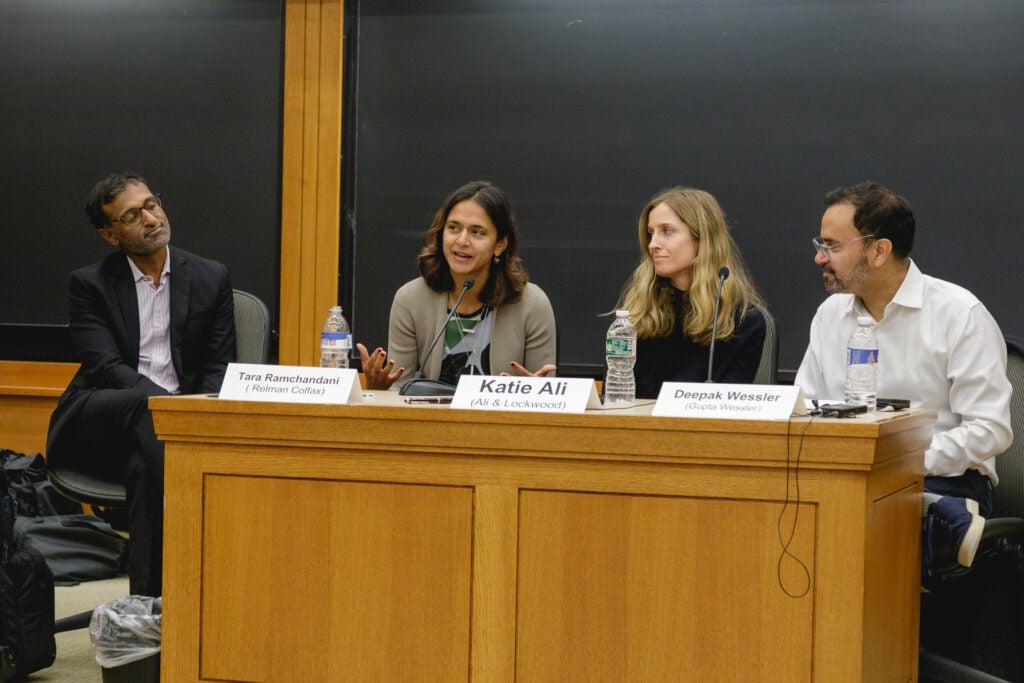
388, 542
28, 394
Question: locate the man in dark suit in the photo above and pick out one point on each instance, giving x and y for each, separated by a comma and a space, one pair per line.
148, 320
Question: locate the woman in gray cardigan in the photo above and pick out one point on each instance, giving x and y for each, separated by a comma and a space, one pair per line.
502, 324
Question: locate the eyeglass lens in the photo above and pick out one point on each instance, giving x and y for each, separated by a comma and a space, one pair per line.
133, 216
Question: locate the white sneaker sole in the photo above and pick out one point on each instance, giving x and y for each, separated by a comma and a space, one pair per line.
969, 546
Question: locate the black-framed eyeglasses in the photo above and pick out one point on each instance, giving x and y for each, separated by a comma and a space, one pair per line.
131, 217
826, 249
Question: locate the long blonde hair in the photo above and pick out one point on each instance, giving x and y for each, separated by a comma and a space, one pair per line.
649, 297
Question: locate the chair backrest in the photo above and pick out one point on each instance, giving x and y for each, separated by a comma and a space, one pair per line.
768, 370
252, 328
1008, 497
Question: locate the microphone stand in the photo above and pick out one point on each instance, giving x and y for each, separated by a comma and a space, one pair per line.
723, 273
419, 385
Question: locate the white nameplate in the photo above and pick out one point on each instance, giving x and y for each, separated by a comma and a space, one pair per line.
733, 401
529, 394
290, 384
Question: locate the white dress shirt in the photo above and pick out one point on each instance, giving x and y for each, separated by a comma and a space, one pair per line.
155, 327
937, 346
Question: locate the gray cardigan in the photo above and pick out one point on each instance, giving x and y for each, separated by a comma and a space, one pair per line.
524, 331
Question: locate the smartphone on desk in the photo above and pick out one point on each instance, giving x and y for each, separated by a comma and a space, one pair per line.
892, 404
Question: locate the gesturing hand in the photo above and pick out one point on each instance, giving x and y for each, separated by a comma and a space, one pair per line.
376, 371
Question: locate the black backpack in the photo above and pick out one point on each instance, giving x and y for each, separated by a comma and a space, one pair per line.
26, 600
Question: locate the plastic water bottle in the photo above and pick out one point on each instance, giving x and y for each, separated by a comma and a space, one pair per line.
620, 355
335, 340
862, 365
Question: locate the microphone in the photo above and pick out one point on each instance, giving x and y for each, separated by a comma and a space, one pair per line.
723, 273
418, 385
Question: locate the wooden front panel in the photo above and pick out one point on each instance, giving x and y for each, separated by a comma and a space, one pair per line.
307, 580
891, 585
626, 587
24, 421
28, 394
364, 543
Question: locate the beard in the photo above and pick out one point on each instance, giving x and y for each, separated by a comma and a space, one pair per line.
144, 246
848, 285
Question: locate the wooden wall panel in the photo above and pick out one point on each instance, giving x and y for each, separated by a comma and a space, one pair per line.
311, 174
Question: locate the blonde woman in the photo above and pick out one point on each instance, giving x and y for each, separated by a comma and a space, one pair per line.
684, 242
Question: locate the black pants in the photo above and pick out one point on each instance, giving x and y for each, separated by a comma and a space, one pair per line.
948, 617
116, 439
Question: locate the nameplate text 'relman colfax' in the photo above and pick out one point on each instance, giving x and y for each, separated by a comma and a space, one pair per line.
290, 384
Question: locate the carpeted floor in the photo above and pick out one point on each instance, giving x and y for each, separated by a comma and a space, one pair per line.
75, 661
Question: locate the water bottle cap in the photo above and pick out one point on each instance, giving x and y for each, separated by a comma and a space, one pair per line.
865, 320
622, 313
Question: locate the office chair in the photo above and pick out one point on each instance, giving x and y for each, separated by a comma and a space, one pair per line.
767, 371
252, 343
1000, 556
252, 328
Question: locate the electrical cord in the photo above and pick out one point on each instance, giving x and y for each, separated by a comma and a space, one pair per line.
786, 542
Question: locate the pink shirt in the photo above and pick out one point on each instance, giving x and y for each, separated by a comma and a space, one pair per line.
155, 327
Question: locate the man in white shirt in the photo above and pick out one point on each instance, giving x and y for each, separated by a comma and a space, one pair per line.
148, 320
938, 347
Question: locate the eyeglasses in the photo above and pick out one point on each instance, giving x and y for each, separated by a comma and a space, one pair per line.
826, 249
131, 217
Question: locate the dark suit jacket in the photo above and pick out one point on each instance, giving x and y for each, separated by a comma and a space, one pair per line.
104, 323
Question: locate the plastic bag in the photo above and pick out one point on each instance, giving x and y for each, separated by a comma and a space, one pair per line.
125, 630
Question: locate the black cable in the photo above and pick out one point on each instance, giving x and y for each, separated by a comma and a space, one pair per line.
796, 512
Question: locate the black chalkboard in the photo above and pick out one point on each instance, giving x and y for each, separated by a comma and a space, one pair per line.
186, 92
583, 110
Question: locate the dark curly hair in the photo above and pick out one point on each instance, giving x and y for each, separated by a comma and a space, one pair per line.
507, 278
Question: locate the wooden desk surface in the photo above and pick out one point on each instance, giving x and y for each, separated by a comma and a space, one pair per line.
387, 542
386, 420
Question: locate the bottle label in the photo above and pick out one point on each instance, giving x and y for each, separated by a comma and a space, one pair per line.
622, 347
861, 356
335, 341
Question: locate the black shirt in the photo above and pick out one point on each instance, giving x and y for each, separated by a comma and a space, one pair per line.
678, 358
